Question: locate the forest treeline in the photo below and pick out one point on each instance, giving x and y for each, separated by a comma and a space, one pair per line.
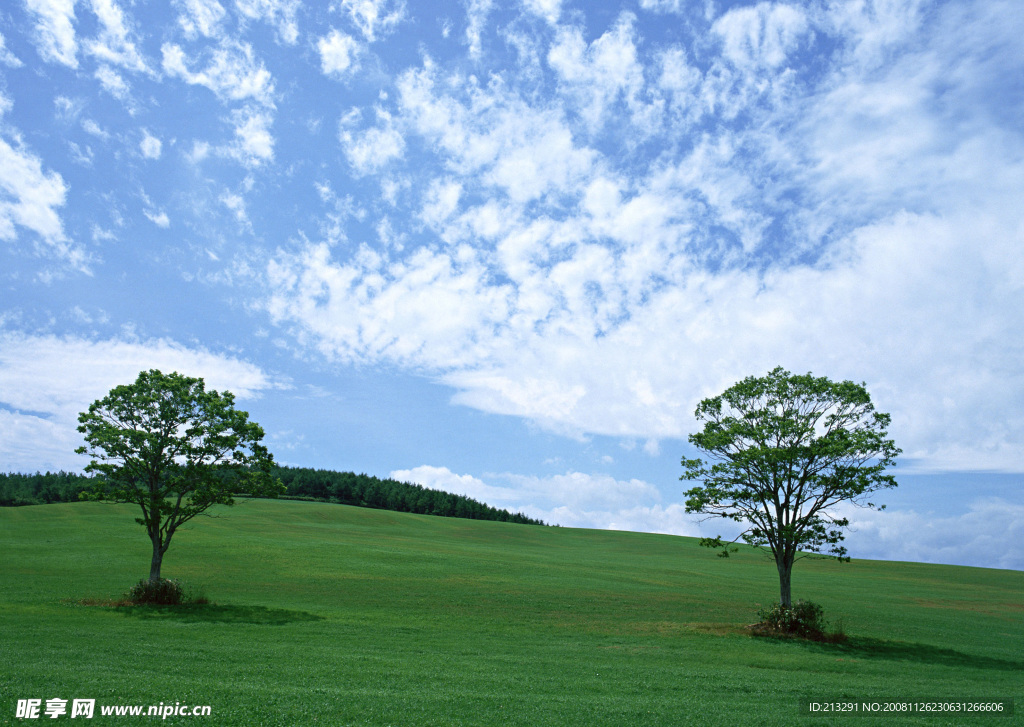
346, 488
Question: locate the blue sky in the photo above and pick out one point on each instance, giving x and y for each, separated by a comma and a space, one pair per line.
504, 248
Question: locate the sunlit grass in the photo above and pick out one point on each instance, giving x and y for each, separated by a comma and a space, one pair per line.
337, 615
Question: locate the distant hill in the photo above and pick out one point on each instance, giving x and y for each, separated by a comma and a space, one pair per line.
302, 483
348, 488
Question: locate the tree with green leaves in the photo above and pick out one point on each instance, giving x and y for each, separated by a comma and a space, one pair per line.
174, 449
782, 450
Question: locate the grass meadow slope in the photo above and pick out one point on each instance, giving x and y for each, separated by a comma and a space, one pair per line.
334, 615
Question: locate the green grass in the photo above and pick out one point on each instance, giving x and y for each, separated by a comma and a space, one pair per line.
326, 614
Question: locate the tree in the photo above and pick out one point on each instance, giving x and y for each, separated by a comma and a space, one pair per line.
782, 451
175, 449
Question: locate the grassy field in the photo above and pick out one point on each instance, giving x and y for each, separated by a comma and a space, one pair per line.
326, 614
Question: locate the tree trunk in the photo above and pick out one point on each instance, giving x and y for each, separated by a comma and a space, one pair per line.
785, 582
158, 557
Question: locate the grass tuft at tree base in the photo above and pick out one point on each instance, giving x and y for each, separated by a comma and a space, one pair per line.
162, 592
804, 620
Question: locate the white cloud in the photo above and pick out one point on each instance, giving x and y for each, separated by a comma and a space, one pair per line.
573, 499
150, 146
338, 53
200, 17
585, 492
596, 76
236, 204
525, 151
254, 144
624, 339
30, 198
279, 13
200, 151
232, 73
662, 6
45, 381
374, 18
372, 149
55, 31
6, 57
447, 300
441, 202
91, 127
113, 82
990, 533
874, 27
476, 16
115, 45
550, 10
761, 36
441, 478
160, 219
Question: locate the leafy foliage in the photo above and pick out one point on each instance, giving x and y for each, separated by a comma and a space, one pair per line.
161, 592
175, 449
803, 618
782, 450
41, 489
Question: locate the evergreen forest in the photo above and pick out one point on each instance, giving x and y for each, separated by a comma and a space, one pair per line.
302, 483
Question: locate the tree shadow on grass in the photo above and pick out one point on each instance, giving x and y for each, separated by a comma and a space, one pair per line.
863, 647
213, 613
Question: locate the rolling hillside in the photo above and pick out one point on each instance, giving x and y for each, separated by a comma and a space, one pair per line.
329, 614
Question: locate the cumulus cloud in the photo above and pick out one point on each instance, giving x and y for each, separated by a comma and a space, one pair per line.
55, 31
440, 202
442, 478
989, 532
524, 151
45, 381
279, 13
597, 75
114, 46
113, 83
150, 146
662, 6
254, 144
573, 499
476, 18
371, 149
200, 17
30, 198
592, 296
338, 53
550, 10
760, 36
233, 72
6, 57
236, 204
374, 18
160, 219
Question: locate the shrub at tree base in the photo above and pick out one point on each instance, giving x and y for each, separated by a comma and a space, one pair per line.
804, 619
163, 592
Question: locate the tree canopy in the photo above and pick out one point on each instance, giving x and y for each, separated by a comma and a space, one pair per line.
782, 451
174, 449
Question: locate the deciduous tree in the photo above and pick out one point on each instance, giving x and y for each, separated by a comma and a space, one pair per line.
174, 449
782, 451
